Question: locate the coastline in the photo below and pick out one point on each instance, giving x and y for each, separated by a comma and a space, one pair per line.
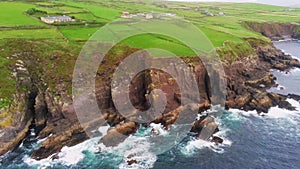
245, 93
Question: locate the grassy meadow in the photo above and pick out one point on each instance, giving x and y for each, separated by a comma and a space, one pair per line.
91, 15
13, 14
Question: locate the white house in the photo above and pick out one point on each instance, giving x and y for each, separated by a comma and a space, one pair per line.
58, 19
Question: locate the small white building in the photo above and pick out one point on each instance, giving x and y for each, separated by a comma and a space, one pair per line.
126, 15
56, 19
149, 16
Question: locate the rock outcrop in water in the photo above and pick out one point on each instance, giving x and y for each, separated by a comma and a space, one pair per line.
248, 79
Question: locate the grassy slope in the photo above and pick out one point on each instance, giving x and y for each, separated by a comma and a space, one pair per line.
78, 33
31, 34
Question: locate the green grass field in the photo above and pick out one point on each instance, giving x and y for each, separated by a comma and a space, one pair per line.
222, 36
105, 13
32, 34
61, 9
87, 17
12, 14
78, 33
146, 41
219, 29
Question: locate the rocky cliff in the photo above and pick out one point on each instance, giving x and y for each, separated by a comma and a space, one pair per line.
276, 31
248, 79
21, 110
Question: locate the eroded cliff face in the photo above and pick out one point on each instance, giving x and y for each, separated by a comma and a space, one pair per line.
37, 106
53, 110
21, 110
143, 93
276, 31
248, 78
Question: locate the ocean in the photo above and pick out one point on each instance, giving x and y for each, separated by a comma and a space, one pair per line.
250, 141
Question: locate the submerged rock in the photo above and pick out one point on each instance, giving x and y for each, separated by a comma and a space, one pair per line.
130, 162
205, 127
217, 140
119, 133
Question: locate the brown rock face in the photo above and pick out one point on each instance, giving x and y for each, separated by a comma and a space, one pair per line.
21, 110
276, 31
153, 87
205, 127
217, 140
54, 143
247, 82
119, 133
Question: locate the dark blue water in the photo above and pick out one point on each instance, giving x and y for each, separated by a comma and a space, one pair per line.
251, 141
289, 82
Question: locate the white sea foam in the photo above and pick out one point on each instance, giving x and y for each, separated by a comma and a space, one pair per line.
276, 112
279, 117
244, 113
103, 130
132, 148
294, 103
139, 151
280, 87
68, 155
286, 53
158, 129
41, 140
194, 144
137, 147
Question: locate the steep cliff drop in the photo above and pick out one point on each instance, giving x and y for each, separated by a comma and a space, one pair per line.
276, 31
248, 80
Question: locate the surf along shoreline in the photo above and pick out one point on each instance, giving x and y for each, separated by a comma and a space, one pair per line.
248, 79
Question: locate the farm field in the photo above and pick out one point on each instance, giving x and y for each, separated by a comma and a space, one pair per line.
78, 33
225, 21
32, 34
12, 14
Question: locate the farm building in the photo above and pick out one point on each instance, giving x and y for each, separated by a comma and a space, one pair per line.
126, 15
147, 15
53, 19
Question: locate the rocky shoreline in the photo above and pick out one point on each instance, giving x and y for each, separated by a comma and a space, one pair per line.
248, 79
